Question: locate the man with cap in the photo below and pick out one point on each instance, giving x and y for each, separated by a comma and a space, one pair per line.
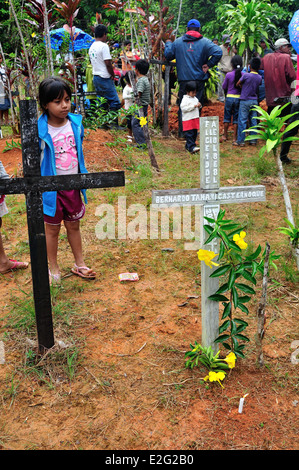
279, 74
194, 55
224, 65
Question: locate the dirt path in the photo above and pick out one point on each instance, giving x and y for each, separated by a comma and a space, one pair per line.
128, 388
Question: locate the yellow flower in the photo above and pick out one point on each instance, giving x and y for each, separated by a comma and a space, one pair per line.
207, 256
239, 240
142, 121
215, 377
231, 360
33, 35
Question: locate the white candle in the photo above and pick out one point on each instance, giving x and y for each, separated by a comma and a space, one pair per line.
241, 403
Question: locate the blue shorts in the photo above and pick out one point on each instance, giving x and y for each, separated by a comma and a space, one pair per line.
231, 109
5, 105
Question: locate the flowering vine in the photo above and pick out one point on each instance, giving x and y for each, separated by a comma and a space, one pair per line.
234, 263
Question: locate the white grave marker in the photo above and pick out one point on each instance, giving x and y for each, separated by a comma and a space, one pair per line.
209, 196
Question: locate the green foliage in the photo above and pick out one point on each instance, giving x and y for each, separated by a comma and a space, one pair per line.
292, 232
11, 145
204, 356
98, 115
248, 22
239, 272
211, 85
271, 128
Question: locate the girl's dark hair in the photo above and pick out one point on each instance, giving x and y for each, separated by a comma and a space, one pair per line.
237, 63
191, 86
125, 79
50, 89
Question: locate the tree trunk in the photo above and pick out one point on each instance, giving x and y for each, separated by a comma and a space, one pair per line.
261, 319
179, 16
32, 84
287, 201
145, 128
165, 129
48, 39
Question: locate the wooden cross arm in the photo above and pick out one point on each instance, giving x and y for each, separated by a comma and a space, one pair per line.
61, 182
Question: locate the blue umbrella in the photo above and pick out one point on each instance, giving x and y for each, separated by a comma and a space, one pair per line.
294, 39
294, 31
82, 40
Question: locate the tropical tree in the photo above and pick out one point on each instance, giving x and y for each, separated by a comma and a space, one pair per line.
41, 16
248, 22
272, 129
69, 12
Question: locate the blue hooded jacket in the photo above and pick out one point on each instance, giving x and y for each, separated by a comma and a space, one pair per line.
47, 162
191, 52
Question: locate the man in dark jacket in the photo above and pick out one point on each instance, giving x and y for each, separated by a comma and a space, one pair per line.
194, 55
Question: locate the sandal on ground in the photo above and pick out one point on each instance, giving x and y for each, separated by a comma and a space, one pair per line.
238, 145
55, 279
16, 265
78, 271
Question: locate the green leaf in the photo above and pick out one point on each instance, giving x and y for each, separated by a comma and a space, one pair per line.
224, 326
221, 251
235, 296
245, 288
241, 48
211, 237
227, 310
246, 274
218, 298
231, 279
270, 144
255, 254
220, 271
208, 229
222, 289
212, 221
244, 299
243, 308
230, 226
222, 338
242, 337
241, 321
251, 42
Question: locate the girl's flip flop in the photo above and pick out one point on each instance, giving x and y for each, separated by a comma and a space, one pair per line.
77, 270
16, 265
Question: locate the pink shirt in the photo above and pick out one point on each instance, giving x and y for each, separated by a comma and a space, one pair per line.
66, 157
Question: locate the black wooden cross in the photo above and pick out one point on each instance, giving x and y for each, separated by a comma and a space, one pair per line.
33, 185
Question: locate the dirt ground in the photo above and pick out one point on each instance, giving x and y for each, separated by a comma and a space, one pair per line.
130, 389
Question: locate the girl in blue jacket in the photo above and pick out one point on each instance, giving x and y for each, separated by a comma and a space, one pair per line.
61, 135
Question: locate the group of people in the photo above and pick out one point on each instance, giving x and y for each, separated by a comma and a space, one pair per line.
271, 76
61, 132
103, 79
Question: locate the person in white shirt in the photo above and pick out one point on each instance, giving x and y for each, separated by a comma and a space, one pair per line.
102, 69
4, 99
127, 102
190, 107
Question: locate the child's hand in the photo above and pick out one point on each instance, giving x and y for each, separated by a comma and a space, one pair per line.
198, 105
